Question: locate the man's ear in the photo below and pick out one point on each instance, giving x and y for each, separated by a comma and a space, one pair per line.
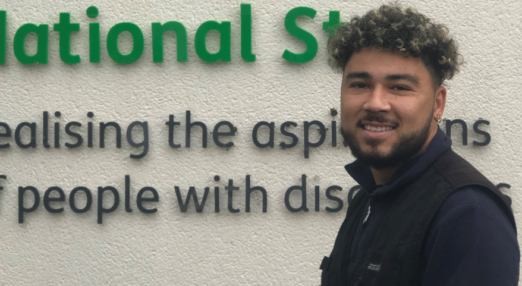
440, 101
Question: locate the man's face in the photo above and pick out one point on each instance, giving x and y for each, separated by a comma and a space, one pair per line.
388, 105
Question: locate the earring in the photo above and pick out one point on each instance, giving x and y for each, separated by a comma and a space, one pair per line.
438, 118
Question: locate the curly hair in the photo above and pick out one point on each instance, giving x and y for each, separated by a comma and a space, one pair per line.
404, 31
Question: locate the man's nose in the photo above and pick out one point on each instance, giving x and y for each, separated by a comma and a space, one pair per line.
377, 100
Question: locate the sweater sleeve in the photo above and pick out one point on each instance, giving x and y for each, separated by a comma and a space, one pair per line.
470, 241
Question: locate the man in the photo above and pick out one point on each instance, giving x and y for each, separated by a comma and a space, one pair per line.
424, 215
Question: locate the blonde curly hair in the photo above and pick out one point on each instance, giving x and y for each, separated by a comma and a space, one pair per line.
405, 31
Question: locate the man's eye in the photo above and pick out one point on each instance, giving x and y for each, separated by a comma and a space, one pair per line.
358, 85
400, 87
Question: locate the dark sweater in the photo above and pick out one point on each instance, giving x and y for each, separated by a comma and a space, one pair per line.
470, 240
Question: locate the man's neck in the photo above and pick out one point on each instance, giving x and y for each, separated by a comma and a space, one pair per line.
381, 176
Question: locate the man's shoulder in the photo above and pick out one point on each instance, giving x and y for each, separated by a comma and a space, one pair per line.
469, 198
471, 241
471, 188
458, 172
474, 208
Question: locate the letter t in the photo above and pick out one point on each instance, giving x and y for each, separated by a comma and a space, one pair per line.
65, 27
333, 22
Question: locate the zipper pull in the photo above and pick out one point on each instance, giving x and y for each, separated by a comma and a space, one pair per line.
369, 212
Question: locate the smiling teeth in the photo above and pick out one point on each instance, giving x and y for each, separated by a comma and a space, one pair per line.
376, 129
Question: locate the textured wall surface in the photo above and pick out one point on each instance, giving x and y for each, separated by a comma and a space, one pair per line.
171, 247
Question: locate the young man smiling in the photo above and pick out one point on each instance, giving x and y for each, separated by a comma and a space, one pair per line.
425, 216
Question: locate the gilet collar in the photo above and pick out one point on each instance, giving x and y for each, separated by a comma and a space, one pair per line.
362, 174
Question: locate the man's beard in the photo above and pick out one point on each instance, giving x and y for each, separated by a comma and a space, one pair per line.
403, 150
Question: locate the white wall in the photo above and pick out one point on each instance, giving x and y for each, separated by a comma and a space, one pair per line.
175, 248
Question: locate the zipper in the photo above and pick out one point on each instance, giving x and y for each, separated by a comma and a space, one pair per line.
352, 254
369, 211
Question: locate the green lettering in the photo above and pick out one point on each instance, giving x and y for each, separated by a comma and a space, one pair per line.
3, 35
42, 32
94, 42
333, 23
306, 37
92, 12
94, 35
157, 40
224, 52
64, 28
246, 33
137, 45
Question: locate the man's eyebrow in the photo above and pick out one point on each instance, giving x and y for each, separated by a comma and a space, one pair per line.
403, 76
363, 75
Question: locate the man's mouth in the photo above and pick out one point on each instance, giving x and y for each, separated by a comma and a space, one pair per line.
377, 128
